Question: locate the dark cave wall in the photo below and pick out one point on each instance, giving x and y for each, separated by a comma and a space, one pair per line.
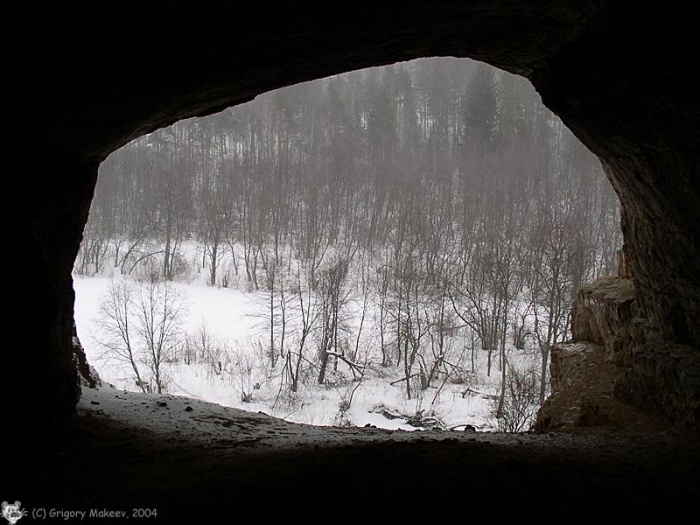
88, 77
628, 93
661, 226
96, 76
40, 384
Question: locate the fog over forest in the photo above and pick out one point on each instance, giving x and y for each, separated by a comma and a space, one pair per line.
428, 222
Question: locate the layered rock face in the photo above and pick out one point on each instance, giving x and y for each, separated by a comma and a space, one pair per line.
615, 365
603, 315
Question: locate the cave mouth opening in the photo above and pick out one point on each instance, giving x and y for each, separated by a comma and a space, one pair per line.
582, 57
397, 247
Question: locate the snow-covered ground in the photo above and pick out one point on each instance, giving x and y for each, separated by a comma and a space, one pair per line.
234, 316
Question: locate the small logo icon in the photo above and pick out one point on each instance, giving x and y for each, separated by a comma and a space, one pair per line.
13, 512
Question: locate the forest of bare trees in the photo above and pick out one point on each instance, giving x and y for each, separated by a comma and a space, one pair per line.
434, 203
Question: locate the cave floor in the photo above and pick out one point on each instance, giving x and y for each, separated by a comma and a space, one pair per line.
203, 463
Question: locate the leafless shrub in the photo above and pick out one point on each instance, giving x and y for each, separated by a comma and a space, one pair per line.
521, 400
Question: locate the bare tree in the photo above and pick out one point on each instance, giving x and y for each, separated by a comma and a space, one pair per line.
140, 325
333, 298
308, 313
116, 334
277, 305
159, 315
518, 409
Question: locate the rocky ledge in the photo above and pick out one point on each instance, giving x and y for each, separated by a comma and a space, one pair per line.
616, 372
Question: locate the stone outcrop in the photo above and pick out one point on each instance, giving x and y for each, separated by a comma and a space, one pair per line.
615, 366
87, 375
603, 314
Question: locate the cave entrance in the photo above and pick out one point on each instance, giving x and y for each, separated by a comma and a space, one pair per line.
398, 246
